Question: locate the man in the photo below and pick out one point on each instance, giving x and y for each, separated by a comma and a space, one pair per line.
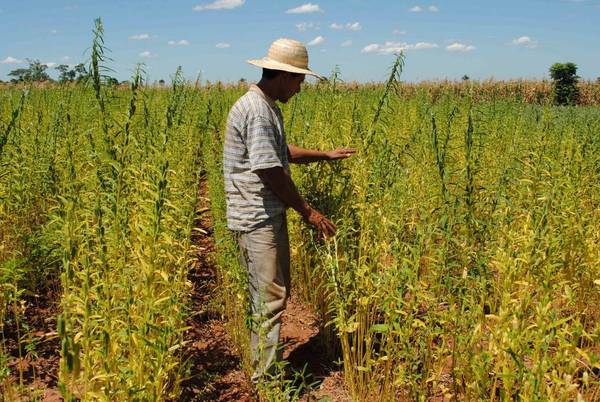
259, 188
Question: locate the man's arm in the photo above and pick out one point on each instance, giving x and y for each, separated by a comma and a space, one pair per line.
303, 155
281, 183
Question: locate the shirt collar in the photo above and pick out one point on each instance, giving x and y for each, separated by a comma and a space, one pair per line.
271, 102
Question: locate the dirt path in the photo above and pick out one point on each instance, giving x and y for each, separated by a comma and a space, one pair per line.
304, 348
216, 372
34, 368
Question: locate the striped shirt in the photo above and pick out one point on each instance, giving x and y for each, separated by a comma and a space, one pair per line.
254, 140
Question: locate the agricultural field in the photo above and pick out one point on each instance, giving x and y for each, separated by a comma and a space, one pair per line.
466, 264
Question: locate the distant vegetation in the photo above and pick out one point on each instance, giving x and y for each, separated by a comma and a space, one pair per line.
38, 72
565, 79
565, 88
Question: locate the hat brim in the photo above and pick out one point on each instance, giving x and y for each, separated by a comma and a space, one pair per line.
275, 65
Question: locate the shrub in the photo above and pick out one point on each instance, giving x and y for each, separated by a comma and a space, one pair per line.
565, 83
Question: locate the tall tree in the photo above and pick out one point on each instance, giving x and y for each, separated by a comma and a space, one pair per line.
37, 70
20, 75
81, 72
64, 72
565, 80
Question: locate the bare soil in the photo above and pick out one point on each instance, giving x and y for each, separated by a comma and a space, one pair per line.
216, 373
305, 350
34, 361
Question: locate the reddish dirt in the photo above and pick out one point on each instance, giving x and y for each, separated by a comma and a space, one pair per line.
34, 369
304, 349
215, 367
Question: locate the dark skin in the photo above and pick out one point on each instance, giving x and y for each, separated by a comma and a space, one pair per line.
282, 88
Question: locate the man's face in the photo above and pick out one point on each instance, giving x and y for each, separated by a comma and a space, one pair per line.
290, 85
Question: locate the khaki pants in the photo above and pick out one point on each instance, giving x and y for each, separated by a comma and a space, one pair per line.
265, 253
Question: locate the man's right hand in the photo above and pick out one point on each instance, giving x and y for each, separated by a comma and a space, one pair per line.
323, 225
280, 182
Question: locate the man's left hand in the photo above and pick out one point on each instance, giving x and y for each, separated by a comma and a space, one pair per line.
340, 153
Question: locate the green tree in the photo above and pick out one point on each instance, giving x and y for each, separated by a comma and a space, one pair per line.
81, 72
63, 71
66, 74
565, 80
20, 75
37, 70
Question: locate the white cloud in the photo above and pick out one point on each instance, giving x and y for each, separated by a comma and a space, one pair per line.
304, 26
50, 64
223, 45
181, 42
355, 26
422, 45
54, 31
417, 9
11, 60
352, 26
347, 43
143, 36
220, 5
316, 41
146, 54
525, 41
398, 32
66, 58
305, 9
459, 47
372, 48
396, 47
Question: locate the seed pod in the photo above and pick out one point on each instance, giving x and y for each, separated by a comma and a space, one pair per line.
76, 360
60, 323
69, 358
66, 354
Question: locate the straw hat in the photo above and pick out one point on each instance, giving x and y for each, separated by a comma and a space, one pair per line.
286, 55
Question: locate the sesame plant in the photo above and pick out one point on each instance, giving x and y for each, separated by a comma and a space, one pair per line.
99, 188
466, 263
466, 258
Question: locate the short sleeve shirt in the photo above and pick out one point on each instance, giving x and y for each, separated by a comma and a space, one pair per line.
254, 140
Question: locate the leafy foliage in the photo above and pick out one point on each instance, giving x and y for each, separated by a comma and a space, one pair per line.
565, 83
35, 72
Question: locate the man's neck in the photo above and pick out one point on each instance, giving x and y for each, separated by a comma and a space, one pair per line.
268, 88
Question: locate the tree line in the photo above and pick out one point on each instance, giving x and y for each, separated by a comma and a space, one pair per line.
564, 77
38, 72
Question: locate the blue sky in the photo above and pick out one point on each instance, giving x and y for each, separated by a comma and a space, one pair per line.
441, 38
